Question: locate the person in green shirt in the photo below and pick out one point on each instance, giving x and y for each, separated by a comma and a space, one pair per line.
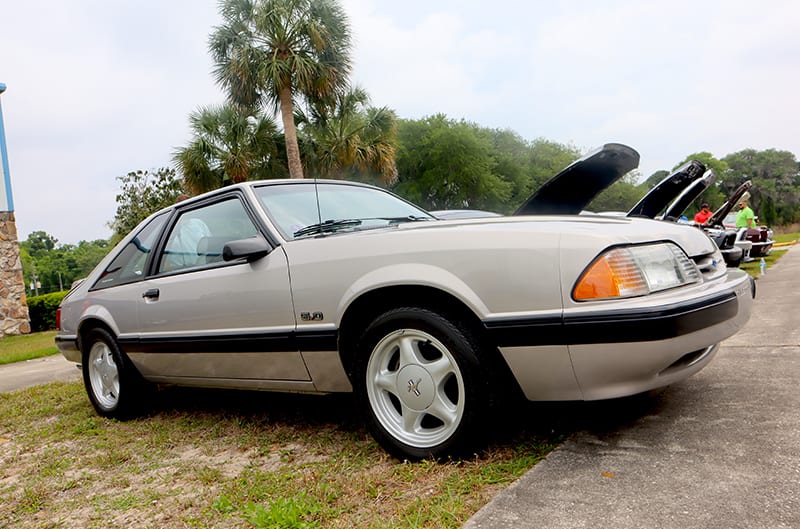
745, 218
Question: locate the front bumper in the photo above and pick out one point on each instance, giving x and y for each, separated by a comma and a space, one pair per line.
606, 354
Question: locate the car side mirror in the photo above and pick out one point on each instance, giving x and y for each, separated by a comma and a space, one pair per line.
252, 249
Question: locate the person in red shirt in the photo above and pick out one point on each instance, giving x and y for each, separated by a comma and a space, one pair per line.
704, 214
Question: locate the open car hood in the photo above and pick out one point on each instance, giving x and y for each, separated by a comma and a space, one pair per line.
572, 189
727, 206
657, 199
689, 195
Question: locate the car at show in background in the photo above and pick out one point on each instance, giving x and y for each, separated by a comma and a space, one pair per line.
324, 286
669, 199
718, 230
760, 237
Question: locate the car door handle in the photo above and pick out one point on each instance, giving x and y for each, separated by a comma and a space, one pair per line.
151, 294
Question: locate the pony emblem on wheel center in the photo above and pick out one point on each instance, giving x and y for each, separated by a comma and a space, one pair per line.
413, 387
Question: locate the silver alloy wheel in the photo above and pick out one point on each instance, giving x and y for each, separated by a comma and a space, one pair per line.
415, 388
104, 375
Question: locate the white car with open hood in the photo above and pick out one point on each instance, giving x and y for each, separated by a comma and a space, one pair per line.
330, 286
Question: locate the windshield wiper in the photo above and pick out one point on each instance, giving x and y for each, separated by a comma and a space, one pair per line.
397, 220
327, 226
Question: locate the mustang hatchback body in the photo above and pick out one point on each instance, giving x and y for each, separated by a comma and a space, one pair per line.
328, 286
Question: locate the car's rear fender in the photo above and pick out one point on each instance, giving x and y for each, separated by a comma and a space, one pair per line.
71, 345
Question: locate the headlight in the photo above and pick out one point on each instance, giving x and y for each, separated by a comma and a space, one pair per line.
635, 271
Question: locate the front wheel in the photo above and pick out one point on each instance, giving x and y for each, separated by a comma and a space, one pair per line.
419, 383
114, 387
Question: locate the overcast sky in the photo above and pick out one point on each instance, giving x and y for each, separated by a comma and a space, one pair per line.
98, 88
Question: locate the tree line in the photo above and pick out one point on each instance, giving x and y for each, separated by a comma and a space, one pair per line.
291, 59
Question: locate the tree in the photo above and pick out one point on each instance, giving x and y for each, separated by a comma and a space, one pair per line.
53, 267
548, 158
511, 162
230, 145
445, 164
39, 243
349, 138
775, 175
143, 193
654, 179
706, 158
622, 195
273, 51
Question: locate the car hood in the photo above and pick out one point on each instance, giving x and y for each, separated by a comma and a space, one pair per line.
690, 194
727, 206
657, 199
572, 189
496, 230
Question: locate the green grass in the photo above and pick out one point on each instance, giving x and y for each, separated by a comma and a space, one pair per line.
786, 237
203, 458
27, 346
753, 267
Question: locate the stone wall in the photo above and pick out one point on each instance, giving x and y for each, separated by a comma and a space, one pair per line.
13, 305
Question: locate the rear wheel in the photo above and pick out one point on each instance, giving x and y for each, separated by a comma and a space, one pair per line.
114, 387
419, 384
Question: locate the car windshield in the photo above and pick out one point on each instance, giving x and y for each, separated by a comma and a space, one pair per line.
292, 207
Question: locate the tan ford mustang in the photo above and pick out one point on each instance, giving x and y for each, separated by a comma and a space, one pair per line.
329, 286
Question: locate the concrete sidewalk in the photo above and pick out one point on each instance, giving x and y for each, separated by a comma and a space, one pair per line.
22, 375
720, 450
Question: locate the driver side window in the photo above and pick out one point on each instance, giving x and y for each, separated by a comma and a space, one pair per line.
198, 236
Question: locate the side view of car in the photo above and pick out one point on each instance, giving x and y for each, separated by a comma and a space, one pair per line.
324, 286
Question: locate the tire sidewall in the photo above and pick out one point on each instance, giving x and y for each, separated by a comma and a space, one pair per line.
127, 381
464, 350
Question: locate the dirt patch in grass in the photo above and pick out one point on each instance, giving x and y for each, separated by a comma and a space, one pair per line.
231, 459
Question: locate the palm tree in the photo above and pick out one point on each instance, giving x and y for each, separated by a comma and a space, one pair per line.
230, 145
273, 51
346, 136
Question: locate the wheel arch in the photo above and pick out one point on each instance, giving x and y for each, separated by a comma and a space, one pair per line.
87, 325
368, 305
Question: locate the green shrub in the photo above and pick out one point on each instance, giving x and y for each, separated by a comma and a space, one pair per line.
42, 310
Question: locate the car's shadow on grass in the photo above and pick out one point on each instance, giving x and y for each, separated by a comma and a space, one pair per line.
335, 410
517, 423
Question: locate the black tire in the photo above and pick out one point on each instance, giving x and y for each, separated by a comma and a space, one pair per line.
419, 382
115, 388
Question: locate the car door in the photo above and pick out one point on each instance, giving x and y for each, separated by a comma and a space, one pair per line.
110, 297
202, 318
